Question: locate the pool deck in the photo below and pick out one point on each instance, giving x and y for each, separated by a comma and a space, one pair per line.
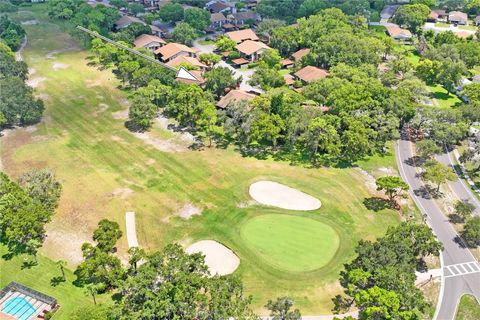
38, 305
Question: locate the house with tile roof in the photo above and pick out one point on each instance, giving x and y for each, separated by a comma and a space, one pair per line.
172, 50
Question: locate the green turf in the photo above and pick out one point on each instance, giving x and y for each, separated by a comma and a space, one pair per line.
468, 309
442, 25
95, 156
445, 99
471, 28
291, 243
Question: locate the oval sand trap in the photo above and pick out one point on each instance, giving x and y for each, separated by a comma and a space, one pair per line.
219, 259
278, 195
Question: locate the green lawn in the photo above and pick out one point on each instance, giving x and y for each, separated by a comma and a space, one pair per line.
472, 28
105, 171
442, 25
291, 243
468, 309
445, 99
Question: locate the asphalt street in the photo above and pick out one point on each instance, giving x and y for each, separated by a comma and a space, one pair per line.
460, 269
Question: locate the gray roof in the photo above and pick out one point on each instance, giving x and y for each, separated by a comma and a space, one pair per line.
125, 21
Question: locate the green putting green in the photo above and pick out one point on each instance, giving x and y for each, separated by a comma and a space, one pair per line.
291, 243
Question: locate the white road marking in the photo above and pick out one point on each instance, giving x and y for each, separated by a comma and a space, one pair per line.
461, 269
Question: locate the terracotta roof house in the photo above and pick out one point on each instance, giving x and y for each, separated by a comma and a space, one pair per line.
300, 53
190, 76
126, 21
186, 60
217, 6
149, 42
251, 50
172, 50
310, 74
463, 34
289, 79
217, 20
243, 17
286, 63
432, 17
442, 14
399, 34
457, 17
232, 96
242, 35
159, 32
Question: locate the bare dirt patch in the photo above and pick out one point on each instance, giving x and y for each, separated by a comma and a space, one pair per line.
163, 145
67, 244
278, 195
29, 22
188, 211
120, 115
92, 83
58, 66
102, 107
118, 139
150, 162
218, 258
52, 54
122, 193
35, 82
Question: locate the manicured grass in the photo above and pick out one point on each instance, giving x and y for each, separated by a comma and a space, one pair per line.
442, 25
445, 99
284, 71
472, 28
379, 164
105, 170
39, 278
205, 42
468, 309
291, 243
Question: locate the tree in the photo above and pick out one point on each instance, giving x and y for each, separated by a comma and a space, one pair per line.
207, 121
63, 9
280, 309
428, 70
11, 33
107, 234
451, 73
412, 16
267, 78
171, 12
271, 58
472, 92
437, 173
225, 44
135, 255
219, 79
393, 187
119, 3
92, 290
184, 33
267, 128
322, 137
22, 219
9, 67
428, 3
136, 8
464, 209
471, 232
427, 148
142, 112
197, 18
43, 186
378, 303
62, 264
209, 59
172, 284
267, 26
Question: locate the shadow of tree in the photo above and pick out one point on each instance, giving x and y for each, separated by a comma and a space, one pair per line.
415, 161
376, 204
422, 192
455, 218
28, 264
55, 281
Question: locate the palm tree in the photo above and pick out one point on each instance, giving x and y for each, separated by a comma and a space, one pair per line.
92, 289
61, 264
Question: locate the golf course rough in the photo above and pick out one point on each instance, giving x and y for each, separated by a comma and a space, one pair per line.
281, 196
290, 243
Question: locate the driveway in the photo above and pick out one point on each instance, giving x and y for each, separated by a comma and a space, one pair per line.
432, 26
246, 75
461, 271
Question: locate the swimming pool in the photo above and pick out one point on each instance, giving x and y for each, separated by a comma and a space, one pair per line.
19, 308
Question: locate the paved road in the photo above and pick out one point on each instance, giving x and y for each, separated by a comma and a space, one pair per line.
459, 266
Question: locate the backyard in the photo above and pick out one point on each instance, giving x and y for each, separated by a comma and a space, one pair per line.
107, 170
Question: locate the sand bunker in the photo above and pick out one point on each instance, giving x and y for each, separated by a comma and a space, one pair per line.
219, 259
278, 195
29, 22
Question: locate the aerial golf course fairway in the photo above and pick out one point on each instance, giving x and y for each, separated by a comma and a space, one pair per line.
291, 243
106, 170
